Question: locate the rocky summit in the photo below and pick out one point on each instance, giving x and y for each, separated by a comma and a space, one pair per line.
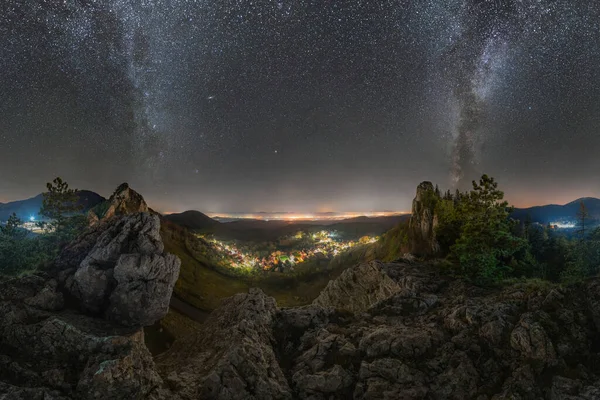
404, 332
123, 201
76, 329
399, 330
423, 222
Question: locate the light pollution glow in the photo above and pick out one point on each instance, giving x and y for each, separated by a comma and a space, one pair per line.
284, 216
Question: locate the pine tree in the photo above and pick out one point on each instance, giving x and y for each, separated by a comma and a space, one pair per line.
582, 215
448, 195
457, 196
61, 205
527, 225
12, 226
486, 249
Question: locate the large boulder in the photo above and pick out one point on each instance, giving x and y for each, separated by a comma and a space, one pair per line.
48, 351
53, 345
125, 274
424, 221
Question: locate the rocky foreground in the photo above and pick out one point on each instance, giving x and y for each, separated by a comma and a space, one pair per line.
380, 331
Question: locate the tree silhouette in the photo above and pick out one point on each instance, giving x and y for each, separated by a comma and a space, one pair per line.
582, 215
486, 248
61, 205
12, 226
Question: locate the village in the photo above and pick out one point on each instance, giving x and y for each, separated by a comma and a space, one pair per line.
287, 253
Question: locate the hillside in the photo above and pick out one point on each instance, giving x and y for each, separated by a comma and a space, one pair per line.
204, 284
31, 207
192, 220
559, 213
400, 330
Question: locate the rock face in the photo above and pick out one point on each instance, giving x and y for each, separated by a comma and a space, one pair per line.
423, 337
423, 222
75, 330
233, 356
123, 201
123, 273
380, 331
357, 289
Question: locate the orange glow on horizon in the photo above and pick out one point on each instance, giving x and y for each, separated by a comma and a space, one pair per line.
306, 216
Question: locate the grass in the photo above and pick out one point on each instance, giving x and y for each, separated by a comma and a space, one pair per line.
392, 245
198, 284
178, 325
203, 286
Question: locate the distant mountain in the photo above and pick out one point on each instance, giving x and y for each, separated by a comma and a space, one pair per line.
391, 220
557, 213
31, 207
192, 220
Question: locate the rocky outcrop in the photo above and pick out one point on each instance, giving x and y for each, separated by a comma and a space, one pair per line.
357, 289
122, 202
380, 331
232, 357
120, 270
432, 337
423, 222
75, 329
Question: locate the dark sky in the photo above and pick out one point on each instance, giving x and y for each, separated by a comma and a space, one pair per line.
300, 105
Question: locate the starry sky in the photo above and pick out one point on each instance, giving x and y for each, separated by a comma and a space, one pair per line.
300, 105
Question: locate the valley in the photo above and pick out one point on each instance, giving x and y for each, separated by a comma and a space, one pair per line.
162, 303
298, 266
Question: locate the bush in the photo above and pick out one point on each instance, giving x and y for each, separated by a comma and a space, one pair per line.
19, 255
392, 245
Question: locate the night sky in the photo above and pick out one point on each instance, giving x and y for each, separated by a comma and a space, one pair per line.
300, 105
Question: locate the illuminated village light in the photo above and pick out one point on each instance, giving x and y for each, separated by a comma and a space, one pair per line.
323, 245
563, 225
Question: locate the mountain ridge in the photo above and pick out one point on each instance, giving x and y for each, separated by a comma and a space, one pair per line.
550, 213
30, 207
192, 219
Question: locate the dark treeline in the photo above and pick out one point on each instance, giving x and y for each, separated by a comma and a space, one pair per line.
482, 243
21, 251
475, 233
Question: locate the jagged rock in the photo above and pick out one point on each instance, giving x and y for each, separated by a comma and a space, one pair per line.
123, 201
72, 355
126, 376
530, 338
400, 341
423, 222
358, 288
428, 338
232, 357
459, 381
389, 378
334, 380
125, 275
48, 298
303, 318
49, 349
379, 331
144, 286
